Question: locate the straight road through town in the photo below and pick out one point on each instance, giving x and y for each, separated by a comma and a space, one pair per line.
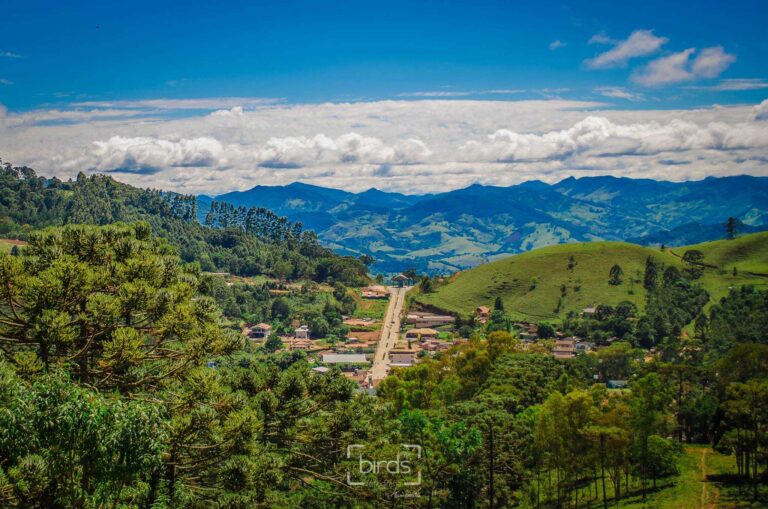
390, 333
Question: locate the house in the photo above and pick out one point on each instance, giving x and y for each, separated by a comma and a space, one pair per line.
301, 332
260, 331
482, 313
429, 319
345, 358
564, 348
402, 280
589, 312
360, 376
321, 369
421, 334
402, 357
616, 384
527, 331
299, 344
584, 346
435, 345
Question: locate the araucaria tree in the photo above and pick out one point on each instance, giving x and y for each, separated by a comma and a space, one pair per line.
112, 305
615, 274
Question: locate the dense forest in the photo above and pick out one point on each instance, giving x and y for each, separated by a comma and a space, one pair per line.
265, 244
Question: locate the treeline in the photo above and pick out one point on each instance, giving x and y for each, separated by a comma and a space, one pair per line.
254, 220
673, 300
264, 244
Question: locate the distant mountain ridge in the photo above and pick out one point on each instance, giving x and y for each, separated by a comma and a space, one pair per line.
465, 227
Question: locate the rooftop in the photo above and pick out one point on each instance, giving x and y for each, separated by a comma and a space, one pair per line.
344, 358
421, 332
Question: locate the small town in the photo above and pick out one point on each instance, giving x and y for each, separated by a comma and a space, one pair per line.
400, 338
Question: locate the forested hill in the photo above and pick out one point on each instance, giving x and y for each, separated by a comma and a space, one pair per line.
266, 244
463, 228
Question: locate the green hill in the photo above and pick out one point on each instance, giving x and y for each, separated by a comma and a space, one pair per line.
748, 253
540, 284
7, 244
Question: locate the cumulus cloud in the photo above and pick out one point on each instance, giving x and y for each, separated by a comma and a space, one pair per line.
639, 43
4, 81
678, 67
147, 154
295, 152
598, 136
404, 145
9, 54
151, 154
619, 93
760, 112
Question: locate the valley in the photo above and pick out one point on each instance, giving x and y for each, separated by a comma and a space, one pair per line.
456, 230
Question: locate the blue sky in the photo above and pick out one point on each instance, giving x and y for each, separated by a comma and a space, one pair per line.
337, 51
209, 97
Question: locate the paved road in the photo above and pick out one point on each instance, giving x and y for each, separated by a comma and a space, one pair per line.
390, 333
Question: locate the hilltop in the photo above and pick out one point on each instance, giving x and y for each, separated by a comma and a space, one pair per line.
549, 282
267, 245
456, 230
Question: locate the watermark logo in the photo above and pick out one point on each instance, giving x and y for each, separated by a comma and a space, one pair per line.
402, 466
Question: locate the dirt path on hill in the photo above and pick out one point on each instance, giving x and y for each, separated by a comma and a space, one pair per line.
704, 501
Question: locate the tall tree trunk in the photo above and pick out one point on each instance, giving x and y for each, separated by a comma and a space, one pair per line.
490, 467
602, 468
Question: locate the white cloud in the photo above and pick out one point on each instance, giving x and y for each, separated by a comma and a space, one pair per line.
760, 112
734, 85
598, 136
556, 44
4, 81
145, 153
404, 145
619, 93
436, 93
662, 71
349, 148
601, 38
711, 62
678, 67
9, 54
211, 103
505, 91
639, 43
35, 117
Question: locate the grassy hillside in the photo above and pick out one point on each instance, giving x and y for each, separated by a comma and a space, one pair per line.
696, 486
748, 253
540, 284
7, 244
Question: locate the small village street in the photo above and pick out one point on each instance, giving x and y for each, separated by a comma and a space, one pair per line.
390, 332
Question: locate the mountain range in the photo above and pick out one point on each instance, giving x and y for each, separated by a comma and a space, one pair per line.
462, 228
